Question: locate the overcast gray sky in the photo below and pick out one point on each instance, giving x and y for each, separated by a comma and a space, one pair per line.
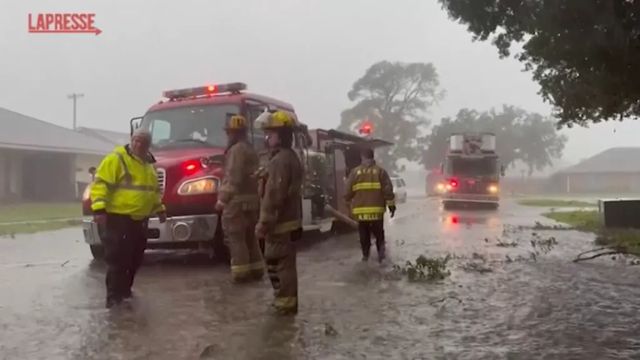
307, 52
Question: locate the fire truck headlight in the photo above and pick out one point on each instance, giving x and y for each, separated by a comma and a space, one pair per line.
199, 187
493, 189
440, 187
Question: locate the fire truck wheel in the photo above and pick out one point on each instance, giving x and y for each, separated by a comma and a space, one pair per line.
97, 251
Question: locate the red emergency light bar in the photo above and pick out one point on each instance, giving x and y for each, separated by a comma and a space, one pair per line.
205, 90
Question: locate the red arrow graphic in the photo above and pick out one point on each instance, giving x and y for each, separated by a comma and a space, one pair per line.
63, 31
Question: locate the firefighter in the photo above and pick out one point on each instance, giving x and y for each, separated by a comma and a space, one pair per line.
280, 222
124, 195
238, 200
370, 192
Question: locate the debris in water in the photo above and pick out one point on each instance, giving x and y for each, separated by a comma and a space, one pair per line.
539, 226
545, 245
329, 330
208, 352
501, 243
425, 269
476, 267
476, 256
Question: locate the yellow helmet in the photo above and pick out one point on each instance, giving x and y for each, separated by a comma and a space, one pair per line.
277, 120
236, 122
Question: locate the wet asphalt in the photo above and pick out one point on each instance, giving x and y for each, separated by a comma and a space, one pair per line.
500, 302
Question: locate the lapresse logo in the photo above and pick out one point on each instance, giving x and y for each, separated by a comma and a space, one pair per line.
62, 23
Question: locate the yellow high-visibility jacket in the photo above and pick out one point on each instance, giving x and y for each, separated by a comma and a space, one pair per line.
125, 185
369, 190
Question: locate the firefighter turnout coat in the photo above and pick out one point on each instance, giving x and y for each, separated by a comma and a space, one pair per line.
370, 192
281, 213
239, 194
126, 185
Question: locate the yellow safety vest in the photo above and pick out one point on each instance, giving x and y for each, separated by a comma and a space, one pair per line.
125, 185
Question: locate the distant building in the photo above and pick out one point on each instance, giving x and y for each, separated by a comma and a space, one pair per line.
112, 137
39, 160
84, 163
616, 170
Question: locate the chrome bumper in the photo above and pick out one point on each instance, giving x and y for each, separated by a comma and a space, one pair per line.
476, 198
175, 229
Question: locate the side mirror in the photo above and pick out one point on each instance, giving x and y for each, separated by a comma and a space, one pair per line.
441, 168
134, 124
502, 170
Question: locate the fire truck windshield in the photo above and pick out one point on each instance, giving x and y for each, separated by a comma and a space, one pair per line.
189, 126
472, 167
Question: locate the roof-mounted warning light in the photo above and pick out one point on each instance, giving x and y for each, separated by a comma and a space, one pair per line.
366, 128
205, 90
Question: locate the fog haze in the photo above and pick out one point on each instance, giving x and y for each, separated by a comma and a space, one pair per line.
304, 52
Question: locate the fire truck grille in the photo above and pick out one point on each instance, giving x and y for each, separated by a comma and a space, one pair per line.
162, 175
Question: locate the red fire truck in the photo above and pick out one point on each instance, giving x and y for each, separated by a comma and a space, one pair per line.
188, 142
471, 171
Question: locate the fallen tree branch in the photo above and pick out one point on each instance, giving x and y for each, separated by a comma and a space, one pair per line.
591, 251
614, 252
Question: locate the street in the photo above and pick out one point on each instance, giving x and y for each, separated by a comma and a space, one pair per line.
507, 305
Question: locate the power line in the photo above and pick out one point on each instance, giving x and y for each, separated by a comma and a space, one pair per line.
75, 97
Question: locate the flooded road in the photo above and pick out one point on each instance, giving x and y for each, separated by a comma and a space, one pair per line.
507, 306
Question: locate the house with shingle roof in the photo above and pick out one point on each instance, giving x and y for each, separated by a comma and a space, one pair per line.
39, 160
616, 170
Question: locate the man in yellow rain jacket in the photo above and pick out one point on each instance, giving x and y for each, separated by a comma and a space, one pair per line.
370, 192
124, 195
280, 221
239, 202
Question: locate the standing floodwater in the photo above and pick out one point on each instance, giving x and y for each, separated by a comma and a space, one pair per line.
504, 298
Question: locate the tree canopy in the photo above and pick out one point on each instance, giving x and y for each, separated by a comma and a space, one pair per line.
583, 53
520, 136
394, 97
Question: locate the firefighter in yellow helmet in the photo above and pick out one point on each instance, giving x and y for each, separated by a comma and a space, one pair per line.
370, 192
124, 195
239, 202
280, 221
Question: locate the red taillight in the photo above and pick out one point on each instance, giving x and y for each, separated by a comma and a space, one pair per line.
453, 183
211, 88
191, 166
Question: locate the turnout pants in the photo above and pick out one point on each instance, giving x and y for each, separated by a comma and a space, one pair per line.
124, 241
280, 255
238, 225
366, 228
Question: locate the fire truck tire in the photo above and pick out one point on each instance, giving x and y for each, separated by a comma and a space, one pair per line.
97, 251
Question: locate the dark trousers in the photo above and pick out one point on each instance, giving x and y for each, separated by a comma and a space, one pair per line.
366, 228
124, 241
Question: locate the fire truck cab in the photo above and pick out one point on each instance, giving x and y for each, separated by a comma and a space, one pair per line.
188, 142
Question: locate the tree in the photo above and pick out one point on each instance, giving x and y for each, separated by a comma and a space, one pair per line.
583, 53
395, 98
520, 136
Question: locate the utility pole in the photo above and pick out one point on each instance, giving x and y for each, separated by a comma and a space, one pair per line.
75, 97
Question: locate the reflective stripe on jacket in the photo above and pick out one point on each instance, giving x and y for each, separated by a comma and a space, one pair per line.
370, 191
281, 206
126, 185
